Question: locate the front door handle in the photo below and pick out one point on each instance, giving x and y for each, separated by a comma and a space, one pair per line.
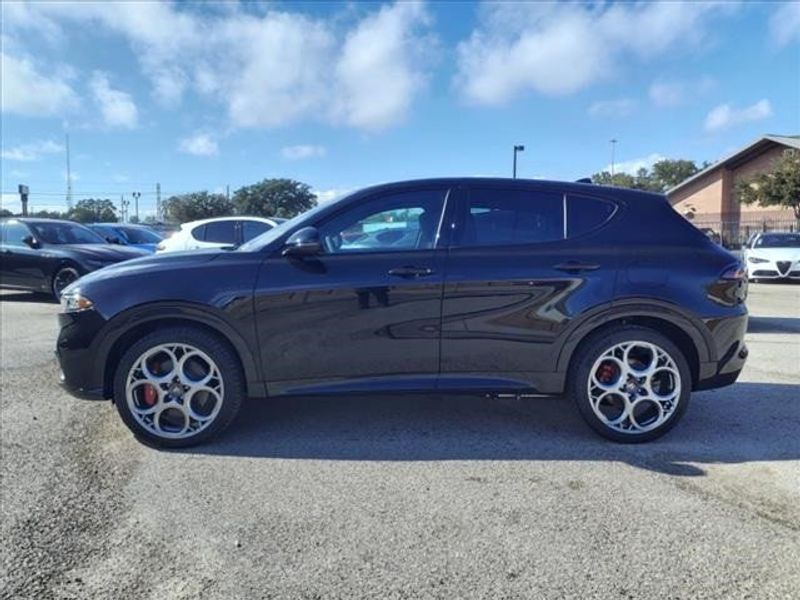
409, 272
573, 266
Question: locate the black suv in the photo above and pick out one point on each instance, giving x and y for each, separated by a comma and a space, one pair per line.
490, 285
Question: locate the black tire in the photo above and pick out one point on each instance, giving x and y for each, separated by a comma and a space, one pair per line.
218, 350
593, 348
65, 275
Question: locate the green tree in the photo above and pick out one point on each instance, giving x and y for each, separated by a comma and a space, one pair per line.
197, 205
4, 212
779, 187
668, 173
93, 210
48, 214
274, 198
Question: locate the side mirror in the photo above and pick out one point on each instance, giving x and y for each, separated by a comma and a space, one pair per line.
31, 241
303, 242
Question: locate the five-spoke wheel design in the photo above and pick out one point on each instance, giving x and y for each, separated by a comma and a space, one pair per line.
634, 387
174, 390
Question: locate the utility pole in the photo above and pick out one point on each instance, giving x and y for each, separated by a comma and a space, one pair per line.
517, 149
136, 196
23, 198
69, 177
228, 192
124, 207
613, 142
158, 202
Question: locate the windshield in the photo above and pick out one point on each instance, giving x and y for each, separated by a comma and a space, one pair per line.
785, 240
137, 235
273, 234
64, 233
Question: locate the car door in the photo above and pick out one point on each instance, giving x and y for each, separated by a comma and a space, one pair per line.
20, 265
364, 312
514, 282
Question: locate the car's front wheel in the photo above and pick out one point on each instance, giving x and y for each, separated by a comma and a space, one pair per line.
64, 276
178, 387
631, 384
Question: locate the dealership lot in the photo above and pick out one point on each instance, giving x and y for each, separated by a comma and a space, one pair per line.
404, 496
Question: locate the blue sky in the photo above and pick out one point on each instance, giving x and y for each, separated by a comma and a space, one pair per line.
343, 95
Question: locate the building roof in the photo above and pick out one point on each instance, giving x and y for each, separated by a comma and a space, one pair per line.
742, 155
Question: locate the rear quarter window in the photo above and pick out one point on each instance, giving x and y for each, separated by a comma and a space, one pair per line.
199, 233
585, 214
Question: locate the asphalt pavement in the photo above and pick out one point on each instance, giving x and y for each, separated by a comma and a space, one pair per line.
435, 496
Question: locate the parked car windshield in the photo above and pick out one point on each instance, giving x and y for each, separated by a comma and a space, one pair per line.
65, 233
786, 240
137, 235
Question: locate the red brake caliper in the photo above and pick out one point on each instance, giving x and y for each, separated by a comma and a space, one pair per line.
150, 394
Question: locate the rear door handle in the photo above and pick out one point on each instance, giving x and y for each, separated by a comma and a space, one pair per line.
409, 272
574, 266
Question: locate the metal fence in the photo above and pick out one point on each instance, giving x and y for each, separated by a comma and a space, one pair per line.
733, 233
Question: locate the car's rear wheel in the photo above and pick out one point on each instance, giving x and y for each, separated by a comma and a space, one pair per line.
178, 387
62, 278
631, 384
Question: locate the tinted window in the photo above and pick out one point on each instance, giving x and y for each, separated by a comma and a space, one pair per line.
13, 233
139, 235
498, 217
251, 229
65, 233
395, 222
199, 233
221, 232
585, 214
786, 240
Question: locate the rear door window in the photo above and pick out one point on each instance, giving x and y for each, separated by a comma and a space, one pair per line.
585, 214
221, 232
502, 217
252, 229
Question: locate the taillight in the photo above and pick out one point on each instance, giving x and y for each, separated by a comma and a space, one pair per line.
734, 273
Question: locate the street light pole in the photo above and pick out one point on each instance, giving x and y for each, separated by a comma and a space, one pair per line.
517, 149
613, 148
136, 196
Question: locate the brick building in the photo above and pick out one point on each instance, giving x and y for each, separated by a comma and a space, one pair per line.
709, 200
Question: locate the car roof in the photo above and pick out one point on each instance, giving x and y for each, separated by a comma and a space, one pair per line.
234, 218
40, 220
541, 184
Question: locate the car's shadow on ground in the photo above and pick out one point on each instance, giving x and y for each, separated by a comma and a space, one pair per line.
741, 423
773, 325
33, 297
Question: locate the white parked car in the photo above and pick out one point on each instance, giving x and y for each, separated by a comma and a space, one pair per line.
219, 232
773, 256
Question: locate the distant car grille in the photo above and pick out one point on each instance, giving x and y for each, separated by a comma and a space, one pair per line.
783, 266
765, 273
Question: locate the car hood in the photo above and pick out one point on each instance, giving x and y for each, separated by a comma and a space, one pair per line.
150, 263
97, 252
775, 253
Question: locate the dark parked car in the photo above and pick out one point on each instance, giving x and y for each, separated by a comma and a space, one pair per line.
497, 286
128, 234
46, 255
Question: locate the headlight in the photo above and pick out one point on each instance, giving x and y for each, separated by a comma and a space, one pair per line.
75, 302
756, 260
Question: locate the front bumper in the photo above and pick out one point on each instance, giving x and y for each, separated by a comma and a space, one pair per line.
80, 374
774, 269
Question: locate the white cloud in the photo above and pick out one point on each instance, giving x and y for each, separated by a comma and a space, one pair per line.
621, 107
725, 115
266, 68
32, 151
330, 195
28, 90
669, 93
379, 70
784, 24
633, 165
562, 48
200, 144
302, 151
117, 107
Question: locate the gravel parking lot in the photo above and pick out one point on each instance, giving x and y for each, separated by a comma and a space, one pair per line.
403, 497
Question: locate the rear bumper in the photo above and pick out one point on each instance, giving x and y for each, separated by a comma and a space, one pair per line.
731, 351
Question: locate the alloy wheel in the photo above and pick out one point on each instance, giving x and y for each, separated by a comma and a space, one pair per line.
174, 391
634, 387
